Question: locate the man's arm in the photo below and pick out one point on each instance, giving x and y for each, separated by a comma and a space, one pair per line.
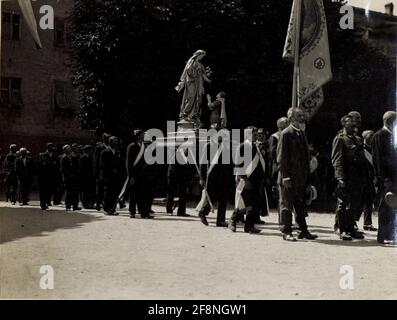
283, 156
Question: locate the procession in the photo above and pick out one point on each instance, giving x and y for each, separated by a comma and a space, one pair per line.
149, 149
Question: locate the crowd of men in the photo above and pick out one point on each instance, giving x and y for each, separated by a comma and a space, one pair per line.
105, 178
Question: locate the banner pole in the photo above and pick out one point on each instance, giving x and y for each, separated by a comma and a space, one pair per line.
295, 88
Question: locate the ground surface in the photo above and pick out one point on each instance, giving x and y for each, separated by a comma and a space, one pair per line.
95, 256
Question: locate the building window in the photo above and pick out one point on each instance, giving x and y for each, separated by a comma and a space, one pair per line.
62, 33
11, 96
64, 96
11, 26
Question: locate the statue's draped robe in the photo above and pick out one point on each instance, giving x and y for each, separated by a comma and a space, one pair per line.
193, 92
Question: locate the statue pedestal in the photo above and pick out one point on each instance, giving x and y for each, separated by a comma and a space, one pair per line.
185, 125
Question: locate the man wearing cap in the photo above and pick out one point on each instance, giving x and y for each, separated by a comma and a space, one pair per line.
385, 160
87, 178
111, 166
70, 177
294, 175
248, 183
48, 173
139, 177
11, 177
24, 168
99, 191
351, 173
216, 178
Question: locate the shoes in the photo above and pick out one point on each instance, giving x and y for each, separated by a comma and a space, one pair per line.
170, 211
183, 215
147, 216
203, 219
222, 224
345, 236
357, 235
307, 235
44, 208
370, 228
289, 237
260, 222
67, 209
24, 204
76, 209
232, 226
251, 230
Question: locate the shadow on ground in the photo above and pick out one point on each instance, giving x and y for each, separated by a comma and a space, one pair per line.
33, 222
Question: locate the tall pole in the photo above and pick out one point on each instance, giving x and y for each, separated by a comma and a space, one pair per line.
295, 87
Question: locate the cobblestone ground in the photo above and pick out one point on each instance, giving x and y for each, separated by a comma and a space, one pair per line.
96, 256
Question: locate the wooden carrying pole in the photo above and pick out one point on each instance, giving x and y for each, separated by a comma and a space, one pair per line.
295, 86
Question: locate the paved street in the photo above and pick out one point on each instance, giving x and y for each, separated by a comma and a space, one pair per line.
95, 256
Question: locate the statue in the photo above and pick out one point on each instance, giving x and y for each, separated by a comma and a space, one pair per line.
192, 81
218, 118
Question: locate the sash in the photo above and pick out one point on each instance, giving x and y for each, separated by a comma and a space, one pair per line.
127, 181
368, 156
239, 201
204, 193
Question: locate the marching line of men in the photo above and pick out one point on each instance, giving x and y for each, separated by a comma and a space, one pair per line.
364, 170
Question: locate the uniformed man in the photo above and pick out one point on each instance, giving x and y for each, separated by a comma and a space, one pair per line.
11, 177
351, 173
294, 175
24, 169
100, 146
216, 178
139, 177
70, 177
369, 189
249, 181
111, 167
385, 159
48, 173
87, 178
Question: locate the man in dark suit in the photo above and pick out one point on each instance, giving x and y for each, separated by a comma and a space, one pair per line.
385, 160
249, 181
216, 174
179, 176
139, 177
11, 177
111, 166
351, 173
24, 168
87, 177
48, 173
70, 176
99, 191
294, 175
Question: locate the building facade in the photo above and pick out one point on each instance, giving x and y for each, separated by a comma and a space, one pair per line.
38, 101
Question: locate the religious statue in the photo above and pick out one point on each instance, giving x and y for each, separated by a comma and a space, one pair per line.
192, 81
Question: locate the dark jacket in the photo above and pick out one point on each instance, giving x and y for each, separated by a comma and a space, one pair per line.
132, 153
24, 171
348, 158
110, 164
48, 166
293, 157
385, 156
70, 170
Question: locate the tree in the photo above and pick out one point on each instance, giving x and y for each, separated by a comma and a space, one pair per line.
129, 56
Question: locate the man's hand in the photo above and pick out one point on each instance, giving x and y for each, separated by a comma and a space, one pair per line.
209, 99
341, 184
202, 183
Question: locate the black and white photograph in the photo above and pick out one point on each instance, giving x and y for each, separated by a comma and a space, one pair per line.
198, 150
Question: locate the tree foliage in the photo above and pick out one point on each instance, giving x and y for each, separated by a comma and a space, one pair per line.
130, 54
